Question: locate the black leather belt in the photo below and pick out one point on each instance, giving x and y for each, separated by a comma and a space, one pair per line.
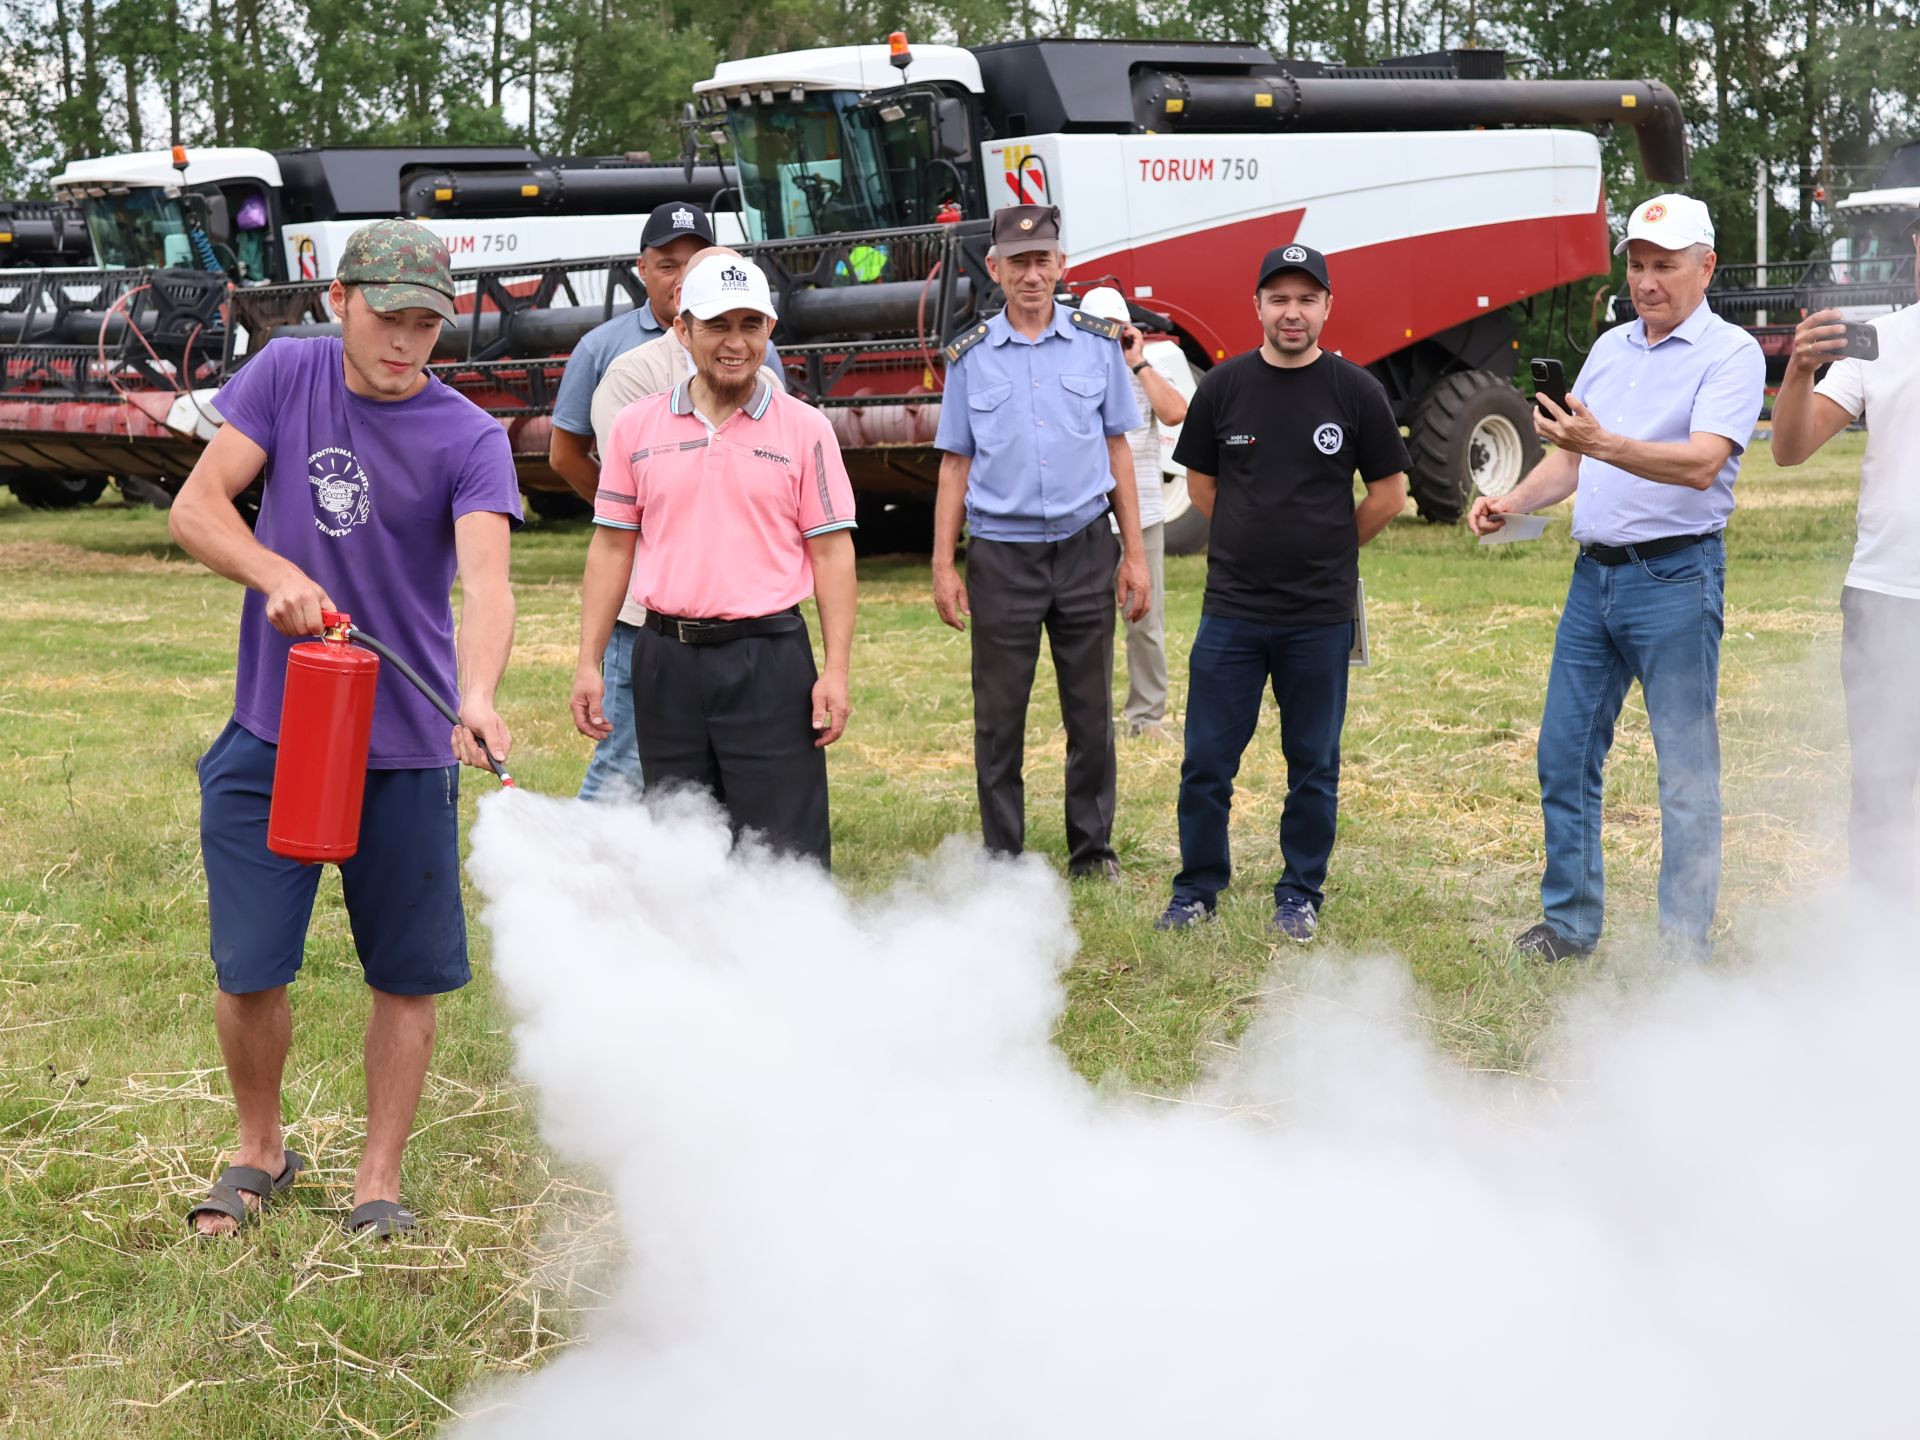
718, 632
1642, 550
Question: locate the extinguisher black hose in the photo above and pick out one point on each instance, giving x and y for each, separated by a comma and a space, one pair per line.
385, 652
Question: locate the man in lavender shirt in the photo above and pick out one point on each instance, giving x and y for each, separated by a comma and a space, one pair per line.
380, 484
1651, 438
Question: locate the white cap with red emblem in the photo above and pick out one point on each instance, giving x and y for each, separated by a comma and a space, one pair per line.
1673, 222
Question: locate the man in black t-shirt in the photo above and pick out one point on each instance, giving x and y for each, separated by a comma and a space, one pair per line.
1271, 444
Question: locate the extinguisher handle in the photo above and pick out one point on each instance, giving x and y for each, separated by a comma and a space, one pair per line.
354, 632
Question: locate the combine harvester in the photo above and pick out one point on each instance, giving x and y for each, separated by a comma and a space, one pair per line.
1444, 194
180, 258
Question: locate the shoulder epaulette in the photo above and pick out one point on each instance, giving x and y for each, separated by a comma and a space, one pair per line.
963, 342
1096, 324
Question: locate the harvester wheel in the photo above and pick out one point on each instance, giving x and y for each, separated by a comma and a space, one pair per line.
1472, 435
147, 490
53, 490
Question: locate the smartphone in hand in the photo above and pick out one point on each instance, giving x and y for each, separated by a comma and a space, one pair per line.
1863, 343
1550, 379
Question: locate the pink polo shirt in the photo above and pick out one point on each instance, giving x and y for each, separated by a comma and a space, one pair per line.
724, 514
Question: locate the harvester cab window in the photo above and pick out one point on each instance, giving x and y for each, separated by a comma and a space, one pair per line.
139, 229
917, 175
250, 237
823, 164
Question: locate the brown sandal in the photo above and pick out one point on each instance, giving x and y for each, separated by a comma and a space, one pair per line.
225, 1198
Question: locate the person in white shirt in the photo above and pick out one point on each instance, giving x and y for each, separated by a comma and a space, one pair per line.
1880, 601
1146, 707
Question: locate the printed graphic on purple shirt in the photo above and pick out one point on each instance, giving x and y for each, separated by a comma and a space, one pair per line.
362, 495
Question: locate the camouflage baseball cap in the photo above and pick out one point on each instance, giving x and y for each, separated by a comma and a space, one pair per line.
399, 265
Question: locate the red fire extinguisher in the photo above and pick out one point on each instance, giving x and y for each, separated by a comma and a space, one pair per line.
326, 722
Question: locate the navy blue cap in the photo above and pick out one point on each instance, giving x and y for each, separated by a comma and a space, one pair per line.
670, 221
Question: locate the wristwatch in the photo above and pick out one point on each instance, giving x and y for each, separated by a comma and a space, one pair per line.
1136, 369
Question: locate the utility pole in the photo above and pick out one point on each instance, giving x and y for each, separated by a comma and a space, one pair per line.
1760, 231
533, 74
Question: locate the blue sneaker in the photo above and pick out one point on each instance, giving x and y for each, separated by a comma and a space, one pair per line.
1295, 919
1184, 915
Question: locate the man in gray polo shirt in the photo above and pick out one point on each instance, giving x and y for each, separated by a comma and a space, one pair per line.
1651, 438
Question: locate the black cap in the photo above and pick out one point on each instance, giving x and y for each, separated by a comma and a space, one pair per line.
1020, 228
1303, 258
670, 221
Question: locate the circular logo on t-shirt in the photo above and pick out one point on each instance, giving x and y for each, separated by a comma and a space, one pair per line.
1329, 438
342, 498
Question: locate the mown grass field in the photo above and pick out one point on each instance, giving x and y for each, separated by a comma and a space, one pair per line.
115, 672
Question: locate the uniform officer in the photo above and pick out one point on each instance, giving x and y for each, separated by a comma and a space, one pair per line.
1271, 445
1034, 424
723, 504
1651, 440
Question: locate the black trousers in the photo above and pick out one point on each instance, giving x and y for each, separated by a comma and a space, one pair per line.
1880, 666
736, 719
1014, 590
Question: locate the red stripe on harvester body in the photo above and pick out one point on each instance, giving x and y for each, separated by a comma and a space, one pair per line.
1423, 284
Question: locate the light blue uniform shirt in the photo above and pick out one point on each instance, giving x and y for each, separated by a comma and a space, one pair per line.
599, 348
1035, 415
1706, 377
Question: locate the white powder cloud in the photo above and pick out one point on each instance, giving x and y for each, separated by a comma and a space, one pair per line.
867, 1197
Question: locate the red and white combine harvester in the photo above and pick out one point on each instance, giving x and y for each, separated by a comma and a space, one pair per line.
863, 178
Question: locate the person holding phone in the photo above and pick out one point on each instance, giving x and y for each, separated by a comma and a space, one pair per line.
1146, 708
1880, 598
1650, 438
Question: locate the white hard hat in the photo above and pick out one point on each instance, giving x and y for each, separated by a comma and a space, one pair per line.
1106, 302
1673, 222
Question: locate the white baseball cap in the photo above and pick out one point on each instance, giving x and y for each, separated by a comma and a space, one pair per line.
1106, 302
721, 283
1673, 222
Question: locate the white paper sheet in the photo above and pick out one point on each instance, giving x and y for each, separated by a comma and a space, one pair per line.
1518, 527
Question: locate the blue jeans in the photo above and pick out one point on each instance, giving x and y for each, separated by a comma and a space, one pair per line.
615, 767
1232, 662
1656, 621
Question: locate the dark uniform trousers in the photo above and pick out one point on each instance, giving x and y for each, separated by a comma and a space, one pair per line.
736, 719
1013, 590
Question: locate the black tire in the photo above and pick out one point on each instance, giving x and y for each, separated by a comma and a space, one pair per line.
147, 490
51, 490
557, 504
1472, 435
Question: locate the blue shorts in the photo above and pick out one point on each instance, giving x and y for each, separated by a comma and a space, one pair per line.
402, 886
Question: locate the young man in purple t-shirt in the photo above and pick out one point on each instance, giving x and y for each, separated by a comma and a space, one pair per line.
380, 485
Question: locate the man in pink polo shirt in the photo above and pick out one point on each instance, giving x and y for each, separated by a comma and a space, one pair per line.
728, 503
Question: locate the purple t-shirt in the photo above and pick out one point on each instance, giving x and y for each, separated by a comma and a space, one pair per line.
362, 495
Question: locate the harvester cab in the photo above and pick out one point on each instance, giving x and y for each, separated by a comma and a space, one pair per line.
177, 210
844, 140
